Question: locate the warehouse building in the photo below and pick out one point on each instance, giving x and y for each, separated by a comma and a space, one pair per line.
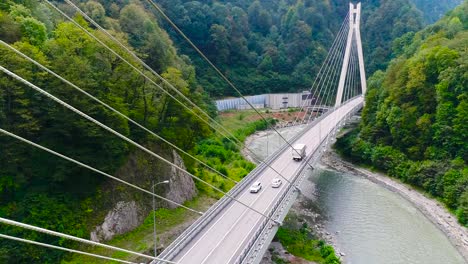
271, 101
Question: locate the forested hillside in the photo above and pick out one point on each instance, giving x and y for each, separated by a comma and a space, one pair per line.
263, 46
279, 45
415, 122
434, 10
43, 190
382, 23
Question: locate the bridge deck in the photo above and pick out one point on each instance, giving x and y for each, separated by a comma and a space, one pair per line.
228, 233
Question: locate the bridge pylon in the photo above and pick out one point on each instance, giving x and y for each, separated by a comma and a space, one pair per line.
354, 36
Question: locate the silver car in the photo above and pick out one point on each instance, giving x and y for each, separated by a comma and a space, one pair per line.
276, 182
255, 188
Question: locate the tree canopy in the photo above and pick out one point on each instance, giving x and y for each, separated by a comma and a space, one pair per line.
44, 190
414, 124
277, 45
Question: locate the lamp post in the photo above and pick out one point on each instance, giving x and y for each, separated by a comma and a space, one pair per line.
154, 218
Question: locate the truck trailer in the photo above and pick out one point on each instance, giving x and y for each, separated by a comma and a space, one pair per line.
298, 151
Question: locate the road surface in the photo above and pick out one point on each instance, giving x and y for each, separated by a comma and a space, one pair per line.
223, 240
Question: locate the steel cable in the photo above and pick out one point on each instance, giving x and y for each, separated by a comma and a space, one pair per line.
50, 96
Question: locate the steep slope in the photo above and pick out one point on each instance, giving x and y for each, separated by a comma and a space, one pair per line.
414, 125
264, 46
44, 190
278, 45
434, 10
382, 23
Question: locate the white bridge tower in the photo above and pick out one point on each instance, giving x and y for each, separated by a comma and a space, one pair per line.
354, 35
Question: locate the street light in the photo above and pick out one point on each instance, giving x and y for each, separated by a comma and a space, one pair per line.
154, 218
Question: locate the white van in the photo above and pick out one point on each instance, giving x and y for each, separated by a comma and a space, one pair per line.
298, 151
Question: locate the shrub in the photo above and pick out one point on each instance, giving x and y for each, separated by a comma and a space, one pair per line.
386, 157
326, 251
462, 211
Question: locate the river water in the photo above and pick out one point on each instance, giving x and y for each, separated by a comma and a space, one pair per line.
371, 224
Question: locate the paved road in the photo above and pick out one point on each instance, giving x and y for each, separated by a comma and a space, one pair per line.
224, 239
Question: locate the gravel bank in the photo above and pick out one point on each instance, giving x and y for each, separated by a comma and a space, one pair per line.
304, 210
432, 209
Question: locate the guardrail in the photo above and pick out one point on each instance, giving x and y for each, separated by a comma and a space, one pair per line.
265, 221
189, 234
264, 229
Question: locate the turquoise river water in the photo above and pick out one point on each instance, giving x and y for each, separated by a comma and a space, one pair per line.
372, 224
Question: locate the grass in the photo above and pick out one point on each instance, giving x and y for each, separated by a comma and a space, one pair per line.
141, 239
218, 153
225, 155
301, 242
298, 243
235, 120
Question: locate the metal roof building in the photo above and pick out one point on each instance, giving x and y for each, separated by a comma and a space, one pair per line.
272, 101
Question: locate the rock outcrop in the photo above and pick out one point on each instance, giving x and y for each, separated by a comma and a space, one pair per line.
181, 187
121, 219
122, 208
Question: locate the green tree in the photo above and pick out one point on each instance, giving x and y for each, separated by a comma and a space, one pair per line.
266, 64
96, 11
33, 31
414, 122
9, 29
219, 42
147, 37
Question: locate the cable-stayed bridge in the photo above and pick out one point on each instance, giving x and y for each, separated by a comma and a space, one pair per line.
240, 226
231, 233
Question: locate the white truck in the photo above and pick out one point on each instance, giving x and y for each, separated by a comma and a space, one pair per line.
298, 151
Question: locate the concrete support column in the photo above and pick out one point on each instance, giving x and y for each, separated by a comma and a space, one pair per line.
362, 71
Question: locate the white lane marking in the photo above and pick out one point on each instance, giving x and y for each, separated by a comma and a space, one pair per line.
243, 241
256, 222
228, 232
254, 226
263, 176
329, 120
214, 224
240, 218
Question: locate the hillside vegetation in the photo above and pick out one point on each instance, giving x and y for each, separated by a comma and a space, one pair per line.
263, 46
435, 10
415, 122
278, 45
44, 190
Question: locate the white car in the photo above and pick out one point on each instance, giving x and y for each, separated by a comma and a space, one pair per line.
276, 182
255, 188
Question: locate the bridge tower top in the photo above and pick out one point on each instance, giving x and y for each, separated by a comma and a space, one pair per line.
354, 37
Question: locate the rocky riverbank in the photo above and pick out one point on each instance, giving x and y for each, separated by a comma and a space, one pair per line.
303, 212
432, 209
246, 153
306, 210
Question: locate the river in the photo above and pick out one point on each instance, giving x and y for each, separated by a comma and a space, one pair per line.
370, 223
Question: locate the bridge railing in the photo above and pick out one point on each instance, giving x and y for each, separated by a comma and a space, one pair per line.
186, 237
283, 200
189, 234
266, 223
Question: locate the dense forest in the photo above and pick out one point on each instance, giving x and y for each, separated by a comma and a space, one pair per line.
263, 46
41, 189
279, 45
415, 122
434, 10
